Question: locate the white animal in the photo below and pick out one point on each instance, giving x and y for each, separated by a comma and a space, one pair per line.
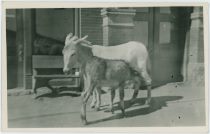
134, 53
96, 70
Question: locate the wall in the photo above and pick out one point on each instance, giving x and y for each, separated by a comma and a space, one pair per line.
194, 50
91, 25
11, 19
141, 25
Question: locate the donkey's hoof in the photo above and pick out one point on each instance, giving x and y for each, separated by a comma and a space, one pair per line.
84, 122
123, 115
34, 96
92, 106
111, 110
83, 119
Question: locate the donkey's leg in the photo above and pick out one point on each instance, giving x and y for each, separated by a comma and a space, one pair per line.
122, 105
93, 103
98, 98
148, 82
112, 95
137, 83
85, 96
83, 109
148, 101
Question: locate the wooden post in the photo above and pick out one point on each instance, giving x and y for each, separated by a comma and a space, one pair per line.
19, 44
29, 34
77, 22
77, 31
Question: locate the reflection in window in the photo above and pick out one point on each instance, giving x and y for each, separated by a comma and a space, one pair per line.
165, 32
54, 23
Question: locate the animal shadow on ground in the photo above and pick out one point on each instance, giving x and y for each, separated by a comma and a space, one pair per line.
156, 104
60, 92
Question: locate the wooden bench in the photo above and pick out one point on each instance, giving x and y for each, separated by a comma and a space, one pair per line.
46, 68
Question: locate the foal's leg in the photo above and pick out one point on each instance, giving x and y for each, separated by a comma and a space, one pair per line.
93, 103
85, 96
83, 109
148, 101
112, 95
122, 105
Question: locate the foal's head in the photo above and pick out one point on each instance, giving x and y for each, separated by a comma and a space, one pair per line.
70, 51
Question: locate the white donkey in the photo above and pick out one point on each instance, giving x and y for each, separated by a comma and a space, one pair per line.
134, 53
96, 70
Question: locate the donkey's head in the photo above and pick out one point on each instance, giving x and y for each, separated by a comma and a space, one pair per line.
70, 51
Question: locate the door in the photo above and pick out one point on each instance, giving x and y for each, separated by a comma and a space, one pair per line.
167, 55
159, 29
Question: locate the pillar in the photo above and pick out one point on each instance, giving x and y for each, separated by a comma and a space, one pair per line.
29, 33
19, 44
195, 54
117, 25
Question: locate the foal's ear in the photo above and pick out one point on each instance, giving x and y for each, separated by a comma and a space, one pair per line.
86, 45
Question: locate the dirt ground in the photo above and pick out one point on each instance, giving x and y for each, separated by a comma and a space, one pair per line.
172, 105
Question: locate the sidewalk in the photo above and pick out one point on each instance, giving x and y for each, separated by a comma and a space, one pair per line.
172, 105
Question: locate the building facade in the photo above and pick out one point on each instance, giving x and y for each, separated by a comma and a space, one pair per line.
172, 35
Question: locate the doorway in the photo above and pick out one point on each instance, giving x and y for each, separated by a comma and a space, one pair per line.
163, 31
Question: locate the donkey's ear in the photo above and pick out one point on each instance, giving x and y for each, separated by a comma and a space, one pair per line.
68, 37
74, 38
82, 39
86, 41
85, 37
86, 45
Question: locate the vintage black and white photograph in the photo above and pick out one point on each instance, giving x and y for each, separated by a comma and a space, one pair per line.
124, 66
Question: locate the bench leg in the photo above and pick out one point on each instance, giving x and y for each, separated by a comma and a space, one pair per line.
34, 83
34, 87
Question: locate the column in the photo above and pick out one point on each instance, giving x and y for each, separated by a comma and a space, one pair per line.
195, 66
29, 33
19, 44
117, 25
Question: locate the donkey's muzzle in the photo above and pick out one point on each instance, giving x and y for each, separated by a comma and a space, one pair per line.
66, 71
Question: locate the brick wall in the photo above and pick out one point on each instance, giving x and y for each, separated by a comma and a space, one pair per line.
91, 25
